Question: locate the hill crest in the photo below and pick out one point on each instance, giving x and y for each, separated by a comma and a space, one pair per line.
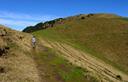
52, 23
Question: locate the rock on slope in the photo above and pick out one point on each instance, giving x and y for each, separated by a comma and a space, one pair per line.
16, 65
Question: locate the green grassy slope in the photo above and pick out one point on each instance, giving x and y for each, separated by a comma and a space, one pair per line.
103, 37
54, 68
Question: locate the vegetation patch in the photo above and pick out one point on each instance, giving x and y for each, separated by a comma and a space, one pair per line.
126, 19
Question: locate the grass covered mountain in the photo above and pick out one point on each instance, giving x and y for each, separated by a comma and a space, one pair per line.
19, 62
102, 36
53, 23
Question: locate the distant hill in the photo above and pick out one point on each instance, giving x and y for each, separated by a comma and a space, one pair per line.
39, 26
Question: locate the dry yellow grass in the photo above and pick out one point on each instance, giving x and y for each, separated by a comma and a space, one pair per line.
17, 65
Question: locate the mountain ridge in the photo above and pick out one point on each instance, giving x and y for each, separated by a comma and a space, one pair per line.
52, 23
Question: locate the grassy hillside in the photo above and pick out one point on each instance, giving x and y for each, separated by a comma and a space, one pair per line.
104, 36
19, 62
54, 68
15, 64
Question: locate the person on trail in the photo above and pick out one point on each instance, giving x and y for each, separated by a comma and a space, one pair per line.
33, 41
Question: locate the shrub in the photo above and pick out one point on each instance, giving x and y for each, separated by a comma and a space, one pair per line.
89, 15
82, 17
119, 77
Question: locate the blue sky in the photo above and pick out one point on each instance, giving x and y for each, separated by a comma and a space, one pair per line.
18, 14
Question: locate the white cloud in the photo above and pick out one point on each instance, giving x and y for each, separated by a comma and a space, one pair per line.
16, 22
22, 16
20, 20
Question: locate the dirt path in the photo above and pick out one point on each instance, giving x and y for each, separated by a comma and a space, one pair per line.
104, 71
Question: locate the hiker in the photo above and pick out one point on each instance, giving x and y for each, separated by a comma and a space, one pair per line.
33, 41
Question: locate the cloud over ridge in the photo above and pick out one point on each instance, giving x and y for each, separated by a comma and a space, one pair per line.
22, 20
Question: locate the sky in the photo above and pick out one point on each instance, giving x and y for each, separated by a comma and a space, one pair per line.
18, 14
